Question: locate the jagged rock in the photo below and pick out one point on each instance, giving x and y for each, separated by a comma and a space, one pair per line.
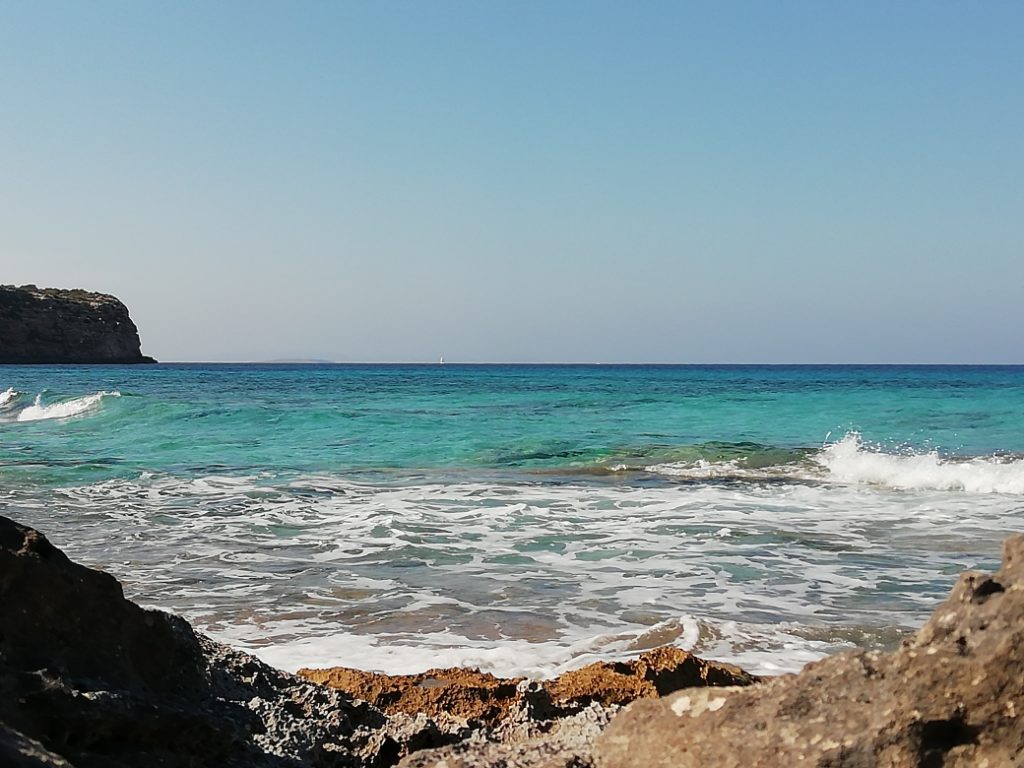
486, 700
469, 694
100, 682
655, 673
951, 697
547, 724
563, 743
49, 325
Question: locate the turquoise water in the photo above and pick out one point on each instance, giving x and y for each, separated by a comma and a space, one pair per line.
525, 518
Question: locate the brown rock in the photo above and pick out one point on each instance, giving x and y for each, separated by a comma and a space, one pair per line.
513, 722
483, 698
655, 673
951, 697
464, 693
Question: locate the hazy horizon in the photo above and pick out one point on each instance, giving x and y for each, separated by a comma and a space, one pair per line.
530, 183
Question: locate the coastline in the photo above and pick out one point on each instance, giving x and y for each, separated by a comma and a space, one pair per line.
107, 665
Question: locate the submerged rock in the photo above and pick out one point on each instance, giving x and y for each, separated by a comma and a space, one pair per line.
50, 325
952, 696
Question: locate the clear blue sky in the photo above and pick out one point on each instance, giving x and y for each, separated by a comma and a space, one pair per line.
525, 181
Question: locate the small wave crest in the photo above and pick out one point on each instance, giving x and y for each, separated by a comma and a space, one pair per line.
63, 410
7, 397
850, 461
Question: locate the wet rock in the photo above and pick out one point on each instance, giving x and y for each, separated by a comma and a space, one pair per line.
951, 697
49, 325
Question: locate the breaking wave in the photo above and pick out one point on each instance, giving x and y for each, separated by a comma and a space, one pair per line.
63, 410
850, 461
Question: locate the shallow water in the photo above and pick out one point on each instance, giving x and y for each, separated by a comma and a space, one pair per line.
525, 519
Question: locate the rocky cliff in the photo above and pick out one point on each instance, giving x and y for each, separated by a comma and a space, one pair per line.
49, 325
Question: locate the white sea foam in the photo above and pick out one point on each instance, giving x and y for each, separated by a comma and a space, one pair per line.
850, 461
526, 578
733, 469
7, 397
63, 410
756, 648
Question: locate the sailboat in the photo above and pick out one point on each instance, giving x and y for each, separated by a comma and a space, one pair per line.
441, 361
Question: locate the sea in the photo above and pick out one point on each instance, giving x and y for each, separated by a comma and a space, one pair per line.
523, 519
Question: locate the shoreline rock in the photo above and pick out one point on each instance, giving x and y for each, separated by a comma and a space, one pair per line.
485, 700
56, 326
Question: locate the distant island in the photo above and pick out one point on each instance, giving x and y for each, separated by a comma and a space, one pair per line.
53, 326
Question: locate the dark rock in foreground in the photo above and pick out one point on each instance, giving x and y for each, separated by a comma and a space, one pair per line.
49, 325
99, 681
952, 696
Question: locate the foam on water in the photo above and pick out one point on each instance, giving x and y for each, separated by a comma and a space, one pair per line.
523, 519
525, 578
63, 410
850, 461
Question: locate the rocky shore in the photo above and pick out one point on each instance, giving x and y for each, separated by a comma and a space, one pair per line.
89, 679
53, 326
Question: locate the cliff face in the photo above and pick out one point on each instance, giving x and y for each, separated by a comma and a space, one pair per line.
49, 325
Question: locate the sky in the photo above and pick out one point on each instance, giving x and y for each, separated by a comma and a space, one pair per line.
712, 182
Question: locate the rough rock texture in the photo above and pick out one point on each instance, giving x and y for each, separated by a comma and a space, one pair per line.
655, 673
99, 681
19, 751
528, 738
48, 325
486, 700
515, 721
462, 693
951, 697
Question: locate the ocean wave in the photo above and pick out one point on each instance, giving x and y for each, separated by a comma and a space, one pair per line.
63, 410
850, 461
7, 398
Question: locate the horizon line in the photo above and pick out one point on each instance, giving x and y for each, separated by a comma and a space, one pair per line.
576, 363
